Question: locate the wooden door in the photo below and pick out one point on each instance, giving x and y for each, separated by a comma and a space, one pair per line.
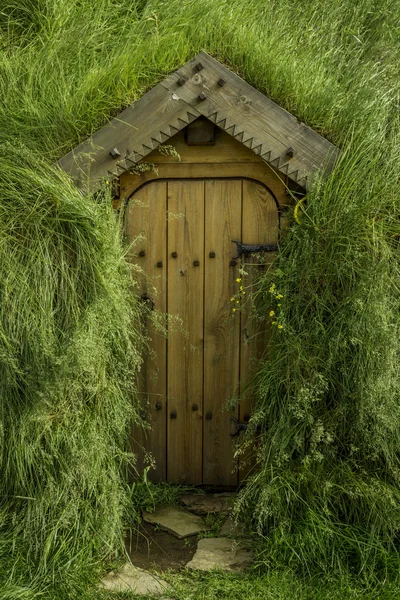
184, 231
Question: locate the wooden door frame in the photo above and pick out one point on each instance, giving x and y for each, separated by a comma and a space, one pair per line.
201, 87
257, 171
176, 178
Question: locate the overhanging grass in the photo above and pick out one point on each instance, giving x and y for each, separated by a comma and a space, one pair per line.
69, 348
327, 488
327, 399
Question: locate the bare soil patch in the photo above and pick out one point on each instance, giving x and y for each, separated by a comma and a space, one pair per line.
150, 548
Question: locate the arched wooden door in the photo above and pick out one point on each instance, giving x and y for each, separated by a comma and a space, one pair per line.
184, 230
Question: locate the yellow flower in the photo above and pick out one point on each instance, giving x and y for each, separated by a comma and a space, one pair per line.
241, 288
239, 279
279, 296
232, 299
237, 301
279, 304
273, 322
280, 326
233, 309
271, 313
107, 183
272, 288
243, 292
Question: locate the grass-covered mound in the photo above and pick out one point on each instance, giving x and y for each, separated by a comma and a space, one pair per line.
68, 356
327, 486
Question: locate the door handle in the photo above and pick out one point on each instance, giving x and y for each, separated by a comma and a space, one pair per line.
253, 248
238, 426
148, 300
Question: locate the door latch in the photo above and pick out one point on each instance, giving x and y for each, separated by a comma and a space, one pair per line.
238, 426
247, 249
148, 301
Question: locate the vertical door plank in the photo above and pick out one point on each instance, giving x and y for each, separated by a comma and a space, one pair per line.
146, 218
185, 331
259, 226
221, 329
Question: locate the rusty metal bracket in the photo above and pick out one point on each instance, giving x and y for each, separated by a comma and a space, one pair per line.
247, 249
238, 426
148, 301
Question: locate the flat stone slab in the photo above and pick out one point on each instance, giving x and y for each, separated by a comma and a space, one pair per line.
133, 579
177, 521
233, 530
221, 553
208, 503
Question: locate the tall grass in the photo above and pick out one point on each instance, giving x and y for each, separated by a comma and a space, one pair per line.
327, 480
327, 487
69, 349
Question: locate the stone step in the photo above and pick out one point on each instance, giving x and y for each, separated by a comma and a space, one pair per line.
204, 504
233, 530
221, 553
132, 579
177, 521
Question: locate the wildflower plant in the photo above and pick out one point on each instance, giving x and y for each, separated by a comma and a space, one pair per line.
276, 313
239, 297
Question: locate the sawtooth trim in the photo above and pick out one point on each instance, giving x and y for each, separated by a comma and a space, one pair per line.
247, 114
237, 108
135, 133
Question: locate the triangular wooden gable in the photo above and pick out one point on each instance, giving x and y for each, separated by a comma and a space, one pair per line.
203, 86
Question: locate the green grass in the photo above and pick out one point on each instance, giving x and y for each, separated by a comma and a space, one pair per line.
69, 347
327, 487
253, 585
325, 495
